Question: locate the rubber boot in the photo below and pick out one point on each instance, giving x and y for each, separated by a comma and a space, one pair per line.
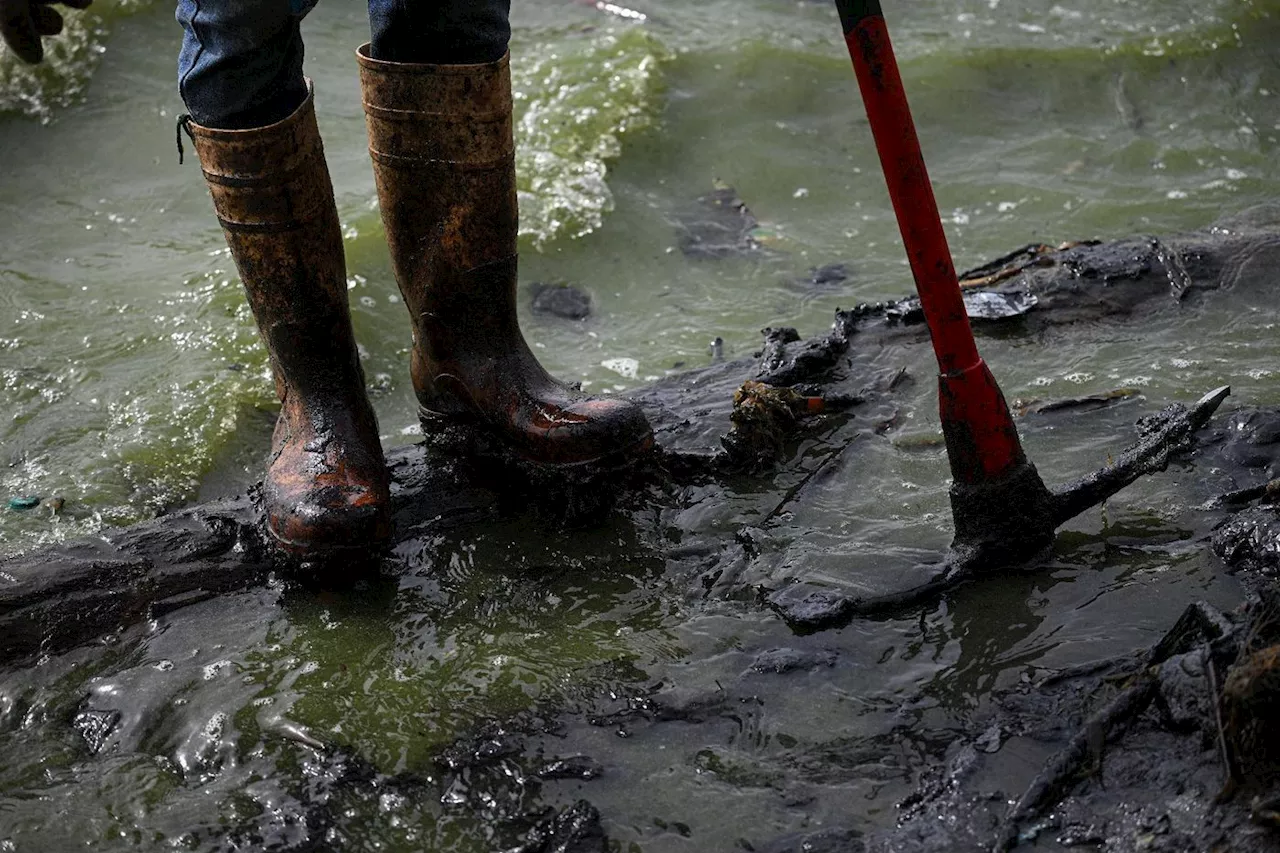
326, 488
444, 160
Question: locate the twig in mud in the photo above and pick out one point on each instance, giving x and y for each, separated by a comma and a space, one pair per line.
1228, 765
1085, 670
1007, 266
1198, 618
1168, 432
1063, 769
1200, 621
1268, 492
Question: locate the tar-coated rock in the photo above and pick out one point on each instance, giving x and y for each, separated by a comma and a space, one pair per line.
813, 611
1250, 540
575, 830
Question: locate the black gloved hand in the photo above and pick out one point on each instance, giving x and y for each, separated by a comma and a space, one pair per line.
23, 22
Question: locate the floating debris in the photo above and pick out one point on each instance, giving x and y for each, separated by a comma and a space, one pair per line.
22, 503
572, 767
825, 278
1010, 265
764, 418
1088, 402
560, 300
986, 305
627, 368
980, 305
722, 227
95, 727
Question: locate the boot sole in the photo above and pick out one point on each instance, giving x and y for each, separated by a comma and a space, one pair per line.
308, 552
564, 495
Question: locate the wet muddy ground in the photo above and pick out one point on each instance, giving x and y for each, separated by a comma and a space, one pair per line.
172, 665
496, 670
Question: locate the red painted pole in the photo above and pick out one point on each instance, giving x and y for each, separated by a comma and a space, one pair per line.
982, 442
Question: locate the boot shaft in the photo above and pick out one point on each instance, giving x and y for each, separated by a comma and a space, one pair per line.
274, 199
440, 137
263, 180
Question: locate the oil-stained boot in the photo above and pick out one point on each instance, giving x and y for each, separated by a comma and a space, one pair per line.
444, 159
326, 487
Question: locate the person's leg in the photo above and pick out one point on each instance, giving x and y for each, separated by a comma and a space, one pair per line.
241, 60
253, 126
437, 97
447, 32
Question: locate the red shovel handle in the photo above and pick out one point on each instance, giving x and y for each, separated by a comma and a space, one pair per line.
904, 170
982, 442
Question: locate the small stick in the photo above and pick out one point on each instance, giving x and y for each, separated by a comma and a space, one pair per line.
1228, 765
1063, 769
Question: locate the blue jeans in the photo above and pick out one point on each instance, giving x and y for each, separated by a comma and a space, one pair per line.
241, 60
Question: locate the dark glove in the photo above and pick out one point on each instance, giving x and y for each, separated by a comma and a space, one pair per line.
23, 22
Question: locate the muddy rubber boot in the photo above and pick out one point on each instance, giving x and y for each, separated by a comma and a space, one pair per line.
444, 159
326, 489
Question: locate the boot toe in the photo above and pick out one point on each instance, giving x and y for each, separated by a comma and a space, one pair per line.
594, 431
314, 522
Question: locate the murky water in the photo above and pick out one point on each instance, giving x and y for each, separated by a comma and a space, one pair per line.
135, 381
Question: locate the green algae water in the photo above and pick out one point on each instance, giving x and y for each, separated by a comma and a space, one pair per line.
134, 383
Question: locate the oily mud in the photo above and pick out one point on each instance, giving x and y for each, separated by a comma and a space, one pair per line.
1123, 754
